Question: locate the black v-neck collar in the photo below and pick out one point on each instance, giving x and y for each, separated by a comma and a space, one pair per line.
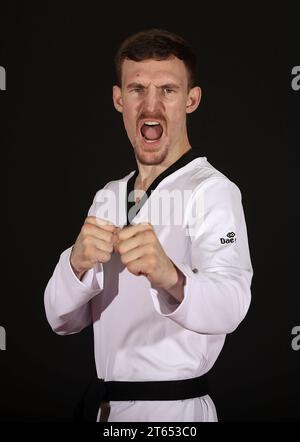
186, 158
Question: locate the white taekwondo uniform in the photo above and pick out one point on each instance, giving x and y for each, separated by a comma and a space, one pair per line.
142, 333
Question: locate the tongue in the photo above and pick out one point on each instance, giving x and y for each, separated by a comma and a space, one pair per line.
152, 132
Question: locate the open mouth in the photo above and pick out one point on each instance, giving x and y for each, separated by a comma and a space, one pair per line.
151, 131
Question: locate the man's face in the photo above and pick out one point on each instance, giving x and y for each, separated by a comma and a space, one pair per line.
154, 100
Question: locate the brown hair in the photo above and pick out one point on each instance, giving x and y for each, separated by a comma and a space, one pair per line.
157, 44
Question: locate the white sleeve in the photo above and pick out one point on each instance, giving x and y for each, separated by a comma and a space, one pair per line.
66, 298
218, 276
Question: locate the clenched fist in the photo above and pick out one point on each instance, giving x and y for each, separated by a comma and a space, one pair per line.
142, 253
95, 243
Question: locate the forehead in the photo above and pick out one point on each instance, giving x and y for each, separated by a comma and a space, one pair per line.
170, 70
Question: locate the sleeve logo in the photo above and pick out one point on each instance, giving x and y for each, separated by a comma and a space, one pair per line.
230, 238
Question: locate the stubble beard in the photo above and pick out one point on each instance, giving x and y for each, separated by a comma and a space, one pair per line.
151, 158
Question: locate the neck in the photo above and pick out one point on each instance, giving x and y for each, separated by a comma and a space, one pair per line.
148, 173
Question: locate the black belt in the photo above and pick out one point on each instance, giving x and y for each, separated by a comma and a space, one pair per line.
100, 390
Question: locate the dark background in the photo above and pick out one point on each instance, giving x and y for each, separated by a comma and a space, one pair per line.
61, 141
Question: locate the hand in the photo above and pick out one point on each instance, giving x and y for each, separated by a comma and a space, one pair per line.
142, 253
95, 243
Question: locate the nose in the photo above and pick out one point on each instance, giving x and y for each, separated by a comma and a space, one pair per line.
151, 102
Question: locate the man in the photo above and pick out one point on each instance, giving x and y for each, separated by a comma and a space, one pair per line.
162, 283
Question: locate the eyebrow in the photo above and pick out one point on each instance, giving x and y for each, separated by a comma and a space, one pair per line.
164, 86
134, 85
170, 86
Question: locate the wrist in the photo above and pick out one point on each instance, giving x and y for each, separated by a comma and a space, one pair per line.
180, 277
76, 271
178, 281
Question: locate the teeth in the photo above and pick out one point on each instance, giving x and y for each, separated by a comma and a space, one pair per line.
152, 123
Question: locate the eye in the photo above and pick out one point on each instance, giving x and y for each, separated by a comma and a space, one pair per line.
138, 90
168, 90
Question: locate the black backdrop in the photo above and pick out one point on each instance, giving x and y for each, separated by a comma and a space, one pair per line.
61, 140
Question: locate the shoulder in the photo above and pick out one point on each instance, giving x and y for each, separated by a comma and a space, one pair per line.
214, 198
200, 176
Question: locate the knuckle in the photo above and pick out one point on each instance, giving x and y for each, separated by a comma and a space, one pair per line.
122, 233
106, 256
85, 230
86, 241
111, 236
87, 252
106, 247
108, 236
148, 234
130, 267
121, 248
110, 248
152, 249
123, 259
152, 263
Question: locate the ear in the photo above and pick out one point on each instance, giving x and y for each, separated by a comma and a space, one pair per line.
117, 98
193, 100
